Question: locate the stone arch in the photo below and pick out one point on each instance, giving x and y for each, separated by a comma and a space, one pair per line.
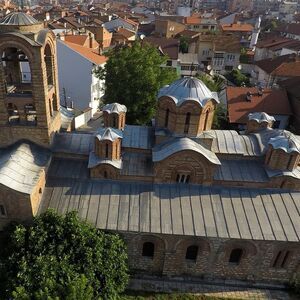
105, 171
49, 61
248, 248
144, 264
201, 170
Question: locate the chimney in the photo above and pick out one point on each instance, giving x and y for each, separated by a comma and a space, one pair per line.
260, 91
90, 41
248, 96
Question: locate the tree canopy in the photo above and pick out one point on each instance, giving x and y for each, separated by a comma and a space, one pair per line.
133, 76
59, 257
238, 78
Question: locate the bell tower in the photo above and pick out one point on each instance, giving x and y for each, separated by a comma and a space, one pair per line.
29, 95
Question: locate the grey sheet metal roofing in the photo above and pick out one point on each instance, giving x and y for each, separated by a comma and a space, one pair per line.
241, 170
114, 108
166, 149
109, 134
179, 209
188, 88
138, 137
21, 165
73, 143
261, 117
18, 18
95, 160
277, 173
286, 142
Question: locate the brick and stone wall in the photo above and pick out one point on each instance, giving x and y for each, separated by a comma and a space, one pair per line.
114, 120
187, 162
174, 118
212, 262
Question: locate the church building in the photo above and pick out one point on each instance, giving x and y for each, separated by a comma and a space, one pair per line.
189, 201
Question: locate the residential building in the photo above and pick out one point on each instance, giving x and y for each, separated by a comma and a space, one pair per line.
78, 84
241, 101
167, 28
270, 71
291, 31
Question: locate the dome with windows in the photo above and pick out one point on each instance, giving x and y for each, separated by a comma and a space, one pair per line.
18, 19
188, 89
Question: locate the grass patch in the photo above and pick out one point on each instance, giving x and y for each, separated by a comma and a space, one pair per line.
131, 295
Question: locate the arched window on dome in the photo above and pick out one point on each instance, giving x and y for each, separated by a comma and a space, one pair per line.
187, 122
106, 150
206, 120
167, 118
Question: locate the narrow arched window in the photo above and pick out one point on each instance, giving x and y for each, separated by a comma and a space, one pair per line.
187, 122
206, 120
106, 150
114, 121
50, 108
167, 118
235, 256
191, 252
148, 249
105, 174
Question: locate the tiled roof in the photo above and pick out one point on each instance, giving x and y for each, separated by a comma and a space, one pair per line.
292, 28
169, 46
192, 20
125, 33
273, 102
80, 39
237, 27
285, 65
88, 53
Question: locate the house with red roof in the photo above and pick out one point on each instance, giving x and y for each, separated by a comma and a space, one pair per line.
77, 60
270, 71
241, 101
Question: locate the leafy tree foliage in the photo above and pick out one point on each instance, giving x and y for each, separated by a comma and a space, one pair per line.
214, 83
184, 44
220, 120
59, 257
133, 76
238, 78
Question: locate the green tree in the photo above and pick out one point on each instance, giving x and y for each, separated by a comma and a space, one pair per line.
214, 83
133, 76
58, 257
220, 120
184, 44
238, 78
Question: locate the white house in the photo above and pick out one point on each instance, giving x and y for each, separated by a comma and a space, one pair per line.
77, 82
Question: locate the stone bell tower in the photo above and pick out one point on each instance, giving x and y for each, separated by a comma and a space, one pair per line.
29, 95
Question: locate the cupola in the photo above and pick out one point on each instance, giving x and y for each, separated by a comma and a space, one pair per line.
258, 121
186, 107
108, 144
283, 152
114, 115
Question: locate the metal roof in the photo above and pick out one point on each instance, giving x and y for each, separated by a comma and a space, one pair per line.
18, 18
188, 89
241, 170
73, 143
179, 209
138, 137
95, 160
276, 173
261, 117
109, 134
166, 149
21, 165
114, 108
286, 142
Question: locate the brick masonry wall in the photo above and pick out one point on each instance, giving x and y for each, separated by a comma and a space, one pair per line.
212, 259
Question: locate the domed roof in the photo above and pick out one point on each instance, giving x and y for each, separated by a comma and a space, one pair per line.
114, 108
109, 134
188, 88
261, 117
18, 19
